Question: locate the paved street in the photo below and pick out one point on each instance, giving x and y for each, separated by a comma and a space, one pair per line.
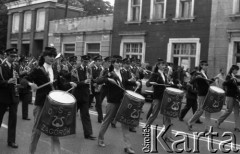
78, 145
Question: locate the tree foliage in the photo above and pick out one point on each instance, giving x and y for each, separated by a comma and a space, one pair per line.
91, 7
96, 7
3, 23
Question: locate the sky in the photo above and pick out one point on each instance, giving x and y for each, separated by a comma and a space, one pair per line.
111, 1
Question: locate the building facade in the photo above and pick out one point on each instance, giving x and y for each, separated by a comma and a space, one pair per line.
90, 35
224, 48
28, 23
175, 30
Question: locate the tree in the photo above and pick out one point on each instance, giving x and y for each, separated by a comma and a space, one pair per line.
91, 7
96, 7
3, 23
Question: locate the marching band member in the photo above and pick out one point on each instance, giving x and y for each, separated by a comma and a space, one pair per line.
25, 92
96, 70
191, 99
131, 77
81, 93
232, 92
44, 73
72, 62
105, 70
203, 83
9, 95
160, 78
114, 97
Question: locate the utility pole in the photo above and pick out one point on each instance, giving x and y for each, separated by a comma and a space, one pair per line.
66, 9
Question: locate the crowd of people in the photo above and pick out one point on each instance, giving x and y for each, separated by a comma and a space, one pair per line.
97, 78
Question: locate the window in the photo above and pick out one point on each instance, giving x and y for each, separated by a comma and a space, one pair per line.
133, 50
40, 20
236, 6
27, 21
158, 9
134, 10
184, 52
69, 49
185, 9
15, 23
93, 49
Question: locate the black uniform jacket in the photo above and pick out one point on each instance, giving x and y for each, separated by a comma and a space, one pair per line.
82, 91
114, 93
39, 76
201, 83
157, 90
231, 86
7, 91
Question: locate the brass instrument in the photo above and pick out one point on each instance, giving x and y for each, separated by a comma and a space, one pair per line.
89, 77
16, 77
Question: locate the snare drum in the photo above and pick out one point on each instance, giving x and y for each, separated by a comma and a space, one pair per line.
130, 109
214, 100
171, 102
58, 116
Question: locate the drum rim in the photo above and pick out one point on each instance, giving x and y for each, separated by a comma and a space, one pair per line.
143, 98
61, 102
178, 90
222, 91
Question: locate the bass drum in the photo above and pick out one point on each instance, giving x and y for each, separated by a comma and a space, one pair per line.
172, 102
130, 109
58, 116
214, 100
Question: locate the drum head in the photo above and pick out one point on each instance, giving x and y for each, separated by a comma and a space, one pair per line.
217, 89
175, 90
136, 95
62, 97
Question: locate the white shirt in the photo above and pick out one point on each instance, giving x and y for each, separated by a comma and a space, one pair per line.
203, 72
118, 74
162, 75
49, 70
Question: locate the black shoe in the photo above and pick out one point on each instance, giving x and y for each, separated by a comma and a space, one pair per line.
100, 121
26, 118
90, 137
113, 125
198, 122
133, 130
12, 145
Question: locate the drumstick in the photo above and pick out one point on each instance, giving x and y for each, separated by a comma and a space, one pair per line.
70, 89
45, 84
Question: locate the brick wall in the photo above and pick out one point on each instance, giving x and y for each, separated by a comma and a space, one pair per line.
158, 34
